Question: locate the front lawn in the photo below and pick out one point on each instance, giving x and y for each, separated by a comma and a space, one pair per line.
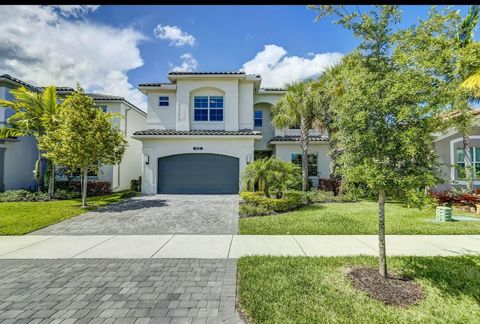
355, 218
18, 218
316, 290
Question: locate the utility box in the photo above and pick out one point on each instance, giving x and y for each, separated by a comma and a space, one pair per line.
444, 214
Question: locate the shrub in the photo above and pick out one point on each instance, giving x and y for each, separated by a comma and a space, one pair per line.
136, 184
22, 195
128, 194
94, 187
247, 210
65, 194
329, 185
291, 200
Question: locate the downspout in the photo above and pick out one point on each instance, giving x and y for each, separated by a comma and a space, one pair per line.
125, 132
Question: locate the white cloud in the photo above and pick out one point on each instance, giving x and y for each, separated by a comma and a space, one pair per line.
189, 64
40, 46
75, 10
276, 68
175, 35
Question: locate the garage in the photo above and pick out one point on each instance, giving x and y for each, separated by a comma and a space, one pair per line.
198, 174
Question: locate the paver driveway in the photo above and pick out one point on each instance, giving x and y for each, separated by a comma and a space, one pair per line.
118, 291
158, 214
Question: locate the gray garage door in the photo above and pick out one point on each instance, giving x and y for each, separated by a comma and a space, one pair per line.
198, 173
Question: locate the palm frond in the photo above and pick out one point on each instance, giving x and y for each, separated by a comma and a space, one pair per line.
473, 83
465, 34
6, 132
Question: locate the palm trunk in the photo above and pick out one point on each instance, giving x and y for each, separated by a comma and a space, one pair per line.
84, 188
468, 163
51, 180
38, 172
304, 132
382, 256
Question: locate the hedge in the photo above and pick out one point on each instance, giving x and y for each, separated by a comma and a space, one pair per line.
94, 187
291, 201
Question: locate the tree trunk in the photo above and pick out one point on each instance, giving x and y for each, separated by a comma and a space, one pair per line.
382, 256
467, 158
84, 188
304, 132
38, 172
51, 179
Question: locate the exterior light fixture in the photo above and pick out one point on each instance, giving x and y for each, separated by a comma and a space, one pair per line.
147, 159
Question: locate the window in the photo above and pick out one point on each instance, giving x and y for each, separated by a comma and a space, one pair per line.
208, 108
312, 163
257, 118
163, 101
475, 155
103, 108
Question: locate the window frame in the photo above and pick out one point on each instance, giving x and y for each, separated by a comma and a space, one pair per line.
161, 101
460, 162
213, 111
256, 119
296, 158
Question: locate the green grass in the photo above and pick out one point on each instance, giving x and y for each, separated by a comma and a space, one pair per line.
355, 218
18, 218
315, 290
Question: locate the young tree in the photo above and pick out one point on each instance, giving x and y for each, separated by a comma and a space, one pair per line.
385, 114
85, 139
299, 106
34, 112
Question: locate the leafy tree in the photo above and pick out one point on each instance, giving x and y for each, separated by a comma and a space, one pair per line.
271, 175
442, 46
85, 139
299, 106
385, 114
34, 112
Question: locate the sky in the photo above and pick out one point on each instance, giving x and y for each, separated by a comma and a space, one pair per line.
111, 49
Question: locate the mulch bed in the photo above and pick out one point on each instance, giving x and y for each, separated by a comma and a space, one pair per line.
394, 290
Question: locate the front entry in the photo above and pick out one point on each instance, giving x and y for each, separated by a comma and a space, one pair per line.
198, 174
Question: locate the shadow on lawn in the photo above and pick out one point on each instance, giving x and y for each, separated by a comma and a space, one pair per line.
452, 275
132, 204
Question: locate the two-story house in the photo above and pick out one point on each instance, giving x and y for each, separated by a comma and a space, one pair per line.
203, 128
18, 155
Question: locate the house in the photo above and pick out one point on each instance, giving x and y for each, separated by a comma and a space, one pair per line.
18, 155
203, 128
449, 148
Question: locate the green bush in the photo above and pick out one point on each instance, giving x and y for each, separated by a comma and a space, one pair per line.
136, 184
65, 194
22, 195
290, 201
320, 196
247, 210
128, 194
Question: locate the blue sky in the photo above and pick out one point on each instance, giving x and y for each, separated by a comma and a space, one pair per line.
111, 49
228, 36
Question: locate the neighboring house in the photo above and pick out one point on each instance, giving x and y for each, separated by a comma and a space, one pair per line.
449, 148
203, 128
18, 155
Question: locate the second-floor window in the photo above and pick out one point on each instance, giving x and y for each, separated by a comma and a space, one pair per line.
257, 118
103, 108
208, 108
163, 101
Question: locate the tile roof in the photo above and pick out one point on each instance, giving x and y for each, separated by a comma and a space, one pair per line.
290, 138
9, 77
205, 73
167, 132
154, 84
273, 89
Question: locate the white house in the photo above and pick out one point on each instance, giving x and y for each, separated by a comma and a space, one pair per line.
203, 128
18, 155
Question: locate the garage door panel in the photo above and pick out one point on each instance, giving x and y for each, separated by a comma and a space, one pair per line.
198, 173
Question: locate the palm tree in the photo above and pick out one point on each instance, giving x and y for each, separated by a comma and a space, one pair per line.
299, 106
34, 114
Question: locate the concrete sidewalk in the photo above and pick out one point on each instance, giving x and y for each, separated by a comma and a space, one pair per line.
228, 246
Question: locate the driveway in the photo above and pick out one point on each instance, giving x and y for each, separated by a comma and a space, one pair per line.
158, 214
118, 291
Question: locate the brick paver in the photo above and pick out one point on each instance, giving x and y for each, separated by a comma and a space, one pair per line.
118, 291
158, 214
